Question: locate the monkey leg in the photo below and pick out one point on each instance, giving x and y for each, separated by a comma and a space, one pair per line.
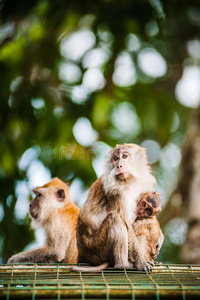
136, 253
107, 244
146, 247
118, 237
38, 255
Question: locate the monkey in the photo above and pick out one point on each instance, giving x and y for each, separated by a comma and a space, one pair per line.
105, 235
53, 210
146, 226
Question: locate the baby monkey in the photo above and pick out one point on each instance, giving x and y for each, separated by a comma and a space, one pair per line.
146, 226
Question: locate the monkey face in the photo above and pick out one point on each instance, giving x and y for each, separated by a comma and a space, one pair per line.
149, 205
34, 205
120, 161
127, 161
48, 198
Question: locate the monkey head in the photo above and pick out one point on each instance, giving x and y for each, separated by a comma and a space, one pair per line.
48, 198
127, 161
149, 205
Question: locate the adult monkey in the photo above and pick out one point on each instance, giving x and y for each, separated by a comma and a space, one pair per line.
105, 235
53, 210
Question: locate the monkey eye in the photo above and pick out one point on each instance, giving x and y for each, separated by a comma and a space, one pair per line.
144, 204
116, 157
38, 194
61, 195
124, 155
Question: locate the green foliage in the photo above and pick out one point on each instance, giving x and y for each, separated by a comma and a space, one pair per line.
38, 109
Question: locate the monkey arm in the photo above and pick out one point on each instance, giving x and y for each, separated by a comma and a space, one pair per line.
39, 255
93, 212
159, 244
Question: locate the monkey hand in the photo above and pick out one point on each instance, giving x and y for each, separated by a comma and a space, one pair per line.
143, 265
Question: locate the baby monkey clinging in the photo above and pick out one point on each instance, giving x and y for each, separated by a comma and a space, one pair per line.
146, 226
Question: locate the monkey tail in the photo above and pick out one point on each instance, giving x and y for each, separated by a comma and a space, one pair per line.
91, 269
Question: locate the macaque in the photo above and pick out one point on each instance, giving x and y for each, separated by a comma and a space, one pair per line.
53, 210
105, 234
146, 226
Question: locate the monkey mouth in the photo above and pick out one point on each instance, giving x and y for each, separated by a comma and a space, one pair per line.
33, 214
122, 176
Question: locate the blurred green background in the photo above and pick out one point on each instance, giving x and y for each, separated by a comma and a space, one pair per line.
77, 77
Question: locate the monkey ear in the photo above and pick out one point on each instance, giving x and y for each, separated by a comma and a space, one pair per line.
61, 195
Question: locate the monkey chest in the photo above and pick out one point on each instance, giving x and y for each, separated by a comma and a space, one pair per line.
149, 227
128, 207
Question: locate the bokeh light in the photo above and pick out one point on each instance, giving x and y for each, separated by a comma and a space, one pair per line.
84, 133
75, 45
152, 63
124, 73
188, 87
153, 150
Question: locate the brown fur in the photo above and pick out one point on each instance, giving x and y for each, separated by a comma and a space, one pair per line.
146, 227
53, 210
147, 232
105, 233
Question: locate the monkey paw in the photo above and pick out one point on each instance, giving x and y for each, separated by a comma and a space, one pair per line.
144, 265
